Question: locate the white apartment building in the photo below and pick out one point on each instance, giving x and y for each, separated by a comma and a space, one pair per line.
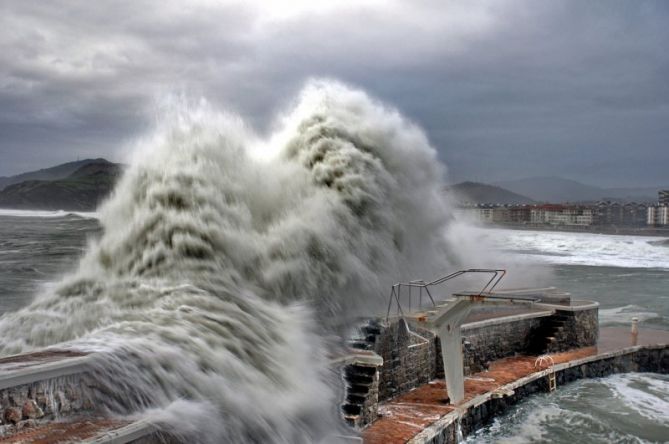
658, 215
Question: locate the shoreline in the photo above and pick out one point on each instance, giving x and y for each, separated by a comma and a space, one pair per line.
612, 230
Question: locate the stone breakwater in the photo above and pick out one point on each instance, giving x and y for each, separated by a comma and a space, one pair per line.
481, 410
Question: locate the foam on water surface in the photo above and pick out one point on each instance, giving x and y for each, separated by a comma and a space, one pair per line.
626, 408
583, 248
47, 213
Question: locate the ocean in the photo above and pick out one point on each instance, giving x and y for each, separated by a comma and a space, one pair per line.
628, 275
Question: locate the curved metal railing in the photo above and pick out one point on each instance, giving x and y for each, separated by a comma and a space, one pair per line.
424, 287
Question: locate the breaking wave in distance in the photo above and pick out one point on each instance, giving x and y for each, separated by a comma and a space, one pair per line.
47, 213
566, 248
220, 274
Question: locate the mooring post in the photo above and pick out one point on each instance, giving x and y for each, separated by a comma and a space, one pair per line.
635, 330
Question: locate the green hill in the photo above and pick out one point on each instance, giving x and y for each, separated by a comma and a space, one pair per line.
480, 193
82, 190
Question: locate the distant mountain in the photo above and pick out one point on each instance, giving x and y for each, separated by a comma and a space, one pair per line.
476, 192
558, 189
644, 194
81, 190
53, 173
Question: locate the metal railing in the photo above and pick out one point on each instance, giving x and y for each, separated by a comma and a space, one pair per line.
396, 293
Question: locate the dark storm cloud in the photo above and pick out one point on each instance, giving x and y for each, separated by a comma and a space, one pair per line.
503, 88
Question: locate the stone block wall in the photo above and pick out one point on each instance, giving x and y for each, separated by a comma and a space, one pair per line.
362, 394
27, 405
581, 328
410, 358
491, 342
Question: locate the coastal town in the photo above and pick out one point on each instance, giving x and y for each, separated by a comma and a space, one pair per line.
577, 215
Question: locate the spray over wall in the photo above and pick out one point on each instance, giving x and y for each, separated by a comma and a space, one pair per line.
207, 294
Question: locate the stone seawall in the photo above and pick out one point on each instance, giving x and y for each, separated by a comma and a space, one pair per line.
410, 358
481, 410
43, 386
488, 341
29, 404
412, 355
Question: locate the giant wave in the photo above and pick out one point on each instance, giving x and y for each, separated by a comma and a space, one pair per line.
220, 273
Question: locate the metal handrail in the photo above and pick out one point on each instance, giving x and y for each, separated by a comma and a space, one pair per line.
396, 289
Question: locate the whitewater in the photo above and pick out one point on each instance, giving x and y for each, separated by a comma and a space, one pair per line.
226, 266
227, 262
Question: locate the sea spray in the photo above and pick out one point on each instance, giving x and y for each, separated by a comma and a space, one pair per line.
218, 276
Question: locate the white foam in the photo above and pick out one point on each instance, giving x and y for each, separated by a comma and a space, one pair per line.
624, 315
217, 274
644, 394
582, 248
48, 214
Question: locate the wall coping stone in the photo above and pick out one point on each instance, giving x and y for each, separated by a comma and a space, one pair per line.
577, 305
360, 357
506, 319
48, 370
131, 432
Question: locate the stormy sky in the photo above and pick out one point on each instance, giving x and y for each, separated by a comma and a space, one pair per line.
516, 88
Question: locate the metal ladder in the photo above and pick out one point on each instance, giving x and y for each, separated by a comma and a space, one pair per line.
550, 376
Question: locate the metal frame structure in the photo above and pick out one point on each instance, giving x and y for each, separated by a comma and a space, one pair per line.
396, 290
445, 319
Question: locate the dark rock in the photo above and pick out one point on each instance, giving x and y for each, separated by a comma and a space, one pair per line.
31, 410
12, 415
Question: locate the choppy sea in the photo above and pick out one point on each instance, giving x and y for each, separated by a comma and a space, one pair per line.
628, 275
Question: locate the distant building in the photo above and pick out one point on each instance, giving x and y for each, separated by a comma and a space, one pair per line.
663, 197
501, 215
658, 215
634, 214
479, 212
552, 214
519, 214
608, 213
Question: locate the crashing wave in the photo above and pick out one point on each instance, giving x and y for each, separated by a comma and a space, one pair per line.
211, 293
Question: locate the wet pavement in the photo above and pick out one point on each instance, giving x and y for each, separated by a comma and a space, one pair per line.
65, 432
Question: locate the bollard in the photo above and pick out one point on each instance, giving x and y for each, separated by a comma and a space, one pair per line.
635, 330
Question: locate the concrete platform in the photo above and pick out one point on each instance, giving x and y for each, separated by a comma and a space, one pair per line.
424, 414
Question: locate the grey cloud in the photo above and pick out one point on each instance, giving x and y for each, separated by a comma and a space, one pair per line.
503, 88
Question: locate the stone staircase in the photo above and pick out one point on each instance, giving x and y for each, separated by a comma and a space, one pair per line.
365, 336
550, 337
361, 375
362, 394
